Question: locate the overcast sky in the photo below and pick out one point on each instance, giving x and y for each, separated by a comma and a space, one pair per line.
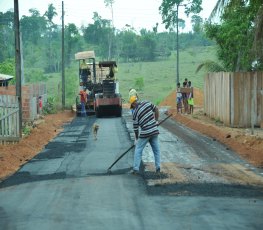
137, 13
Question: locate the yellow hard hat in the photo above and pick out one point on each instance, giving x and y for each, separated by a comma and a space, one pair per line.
133, 99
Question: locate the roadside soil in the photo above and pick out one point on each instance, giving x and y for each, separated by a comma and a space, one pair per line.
250, 147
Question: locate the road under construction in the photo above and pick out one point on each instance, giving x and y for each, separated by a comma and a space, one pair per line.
202, 185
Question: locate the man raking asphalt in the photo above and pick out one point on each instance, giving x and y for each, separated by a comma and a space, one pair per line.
123, 154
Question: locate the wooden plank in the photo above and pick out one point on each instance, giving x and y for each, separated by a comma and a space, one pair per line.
232, 101
9, 118
185, 90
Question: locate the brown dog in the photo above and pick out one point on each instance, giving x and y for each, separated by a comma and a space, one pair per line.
95, 129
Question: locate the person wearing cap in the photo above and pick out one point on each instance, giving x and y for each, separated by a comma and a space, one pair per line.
132, 92
84, 71
145, 119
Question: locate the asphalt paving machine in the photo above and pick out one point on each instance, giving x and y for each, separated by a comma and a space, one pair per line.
99, 80
109, 101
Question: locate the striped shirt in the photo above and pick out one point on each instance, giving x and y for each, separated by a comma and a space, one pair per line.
144, 117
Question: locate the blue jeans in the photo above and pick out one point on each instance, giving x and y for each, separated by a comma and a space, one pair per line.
141, 142
83, 109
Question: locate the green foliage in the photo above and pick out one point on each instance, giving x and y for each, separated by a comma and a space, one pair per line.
72, 86
34, 75
197, 23
169, 9
128, 44
139, 83
72, 39
54, 86
211, 66
32, 26
236, 34
50, 106
159, 77
8, 67
158, 101
26, 130
41, 39
7, 38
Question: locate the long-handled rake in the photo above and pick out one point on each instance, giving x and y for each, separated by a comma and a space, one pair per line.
109, 169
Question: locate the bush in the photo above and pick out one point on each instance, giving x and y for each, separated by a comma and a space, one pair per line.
49, 107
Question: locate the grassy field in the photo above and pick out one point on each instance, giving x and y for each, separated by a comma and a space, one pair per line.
153, 80
159, 78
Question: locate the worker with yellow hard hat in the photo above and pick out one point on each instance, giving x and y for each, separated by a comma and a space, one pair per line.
145, 119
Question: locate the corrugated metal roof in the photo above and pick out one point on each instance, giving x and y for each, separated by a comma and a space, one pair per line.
5, 77
85, 55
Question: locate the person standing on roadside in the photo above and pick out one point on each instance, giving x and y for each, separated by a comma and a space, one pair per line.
83, 101
185, 97
191, 103
145, 126
40, 105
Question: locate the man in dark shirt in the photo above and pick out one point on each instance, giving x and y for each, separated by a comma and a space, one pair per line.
145, 126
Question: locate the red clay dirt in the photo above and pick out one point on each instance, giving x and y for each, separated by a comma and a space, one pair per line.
250, 147
13, 156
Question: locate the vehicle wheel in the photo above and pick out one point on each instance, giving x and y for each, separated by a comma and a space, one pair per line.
119, 112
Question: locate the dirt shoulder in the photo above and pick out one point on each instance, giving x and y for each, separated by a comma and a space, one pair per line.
248, 146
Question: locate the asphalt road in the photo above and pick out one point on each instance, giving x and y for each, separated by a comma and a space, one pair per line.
67, 186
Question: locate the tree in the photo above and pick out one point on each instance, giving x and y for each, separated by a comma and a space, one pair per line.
8, 67
258, 38
52, 33
6, 35
33, 27
98, 34
197, 23
51, 13
170, 10
146, 46
128, 44
72, 38
237, 34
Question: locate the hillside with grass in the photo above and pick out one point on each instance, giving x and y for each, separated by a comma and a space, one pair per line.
155, 80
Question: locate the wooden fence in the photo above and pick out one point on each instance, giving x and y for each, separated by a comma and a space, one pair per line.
9, 118
236, 99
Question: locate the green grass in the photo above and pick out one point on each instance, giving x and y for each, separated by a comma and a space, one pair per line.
159, 78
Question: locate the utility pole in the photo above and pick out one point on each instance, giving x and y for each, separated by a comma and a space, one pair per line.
177, 45
63, 60
177, 40
22, 60
18, 64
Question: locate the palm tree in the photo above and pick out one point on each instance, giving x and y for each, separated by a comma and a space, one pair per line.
210, 66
